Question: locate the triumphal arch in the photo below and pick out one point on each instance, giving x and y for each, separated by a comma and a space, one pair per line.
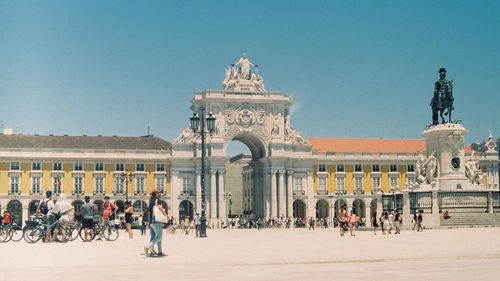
245, 111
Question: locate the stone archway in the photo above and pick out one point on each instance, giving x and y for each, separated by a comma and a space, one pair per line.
359, 208
337, 207
15, 208
32, 207
186, 210
299, 209
322, 209
140, 205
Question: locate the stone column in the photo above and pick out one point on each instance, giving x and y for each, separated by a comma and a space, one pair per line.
274, 200
198, 192
407, 215
222, 201
289, 193
490, 202
213, 196
175, 188
434, 219
310, 196
380, 207
282, 194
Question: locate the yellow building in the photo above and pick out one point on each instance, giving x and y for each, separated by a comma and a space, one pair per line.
120, 167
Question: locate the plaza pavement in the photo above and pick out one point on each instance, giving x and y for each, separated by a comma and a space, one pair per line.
296, 254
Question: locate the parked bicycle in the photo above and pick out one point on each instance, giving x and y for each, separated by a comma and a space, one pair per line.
108, 230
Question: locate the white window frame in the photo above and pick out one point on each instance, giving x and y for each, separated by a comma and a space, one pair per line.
186, 184
137, 165
18, 166
376, 179
361, 166
340, 184
101, 164
54, 166
319, 168
36, 166
14, 184
36, 181
157, 165
160, 184
78, 185
358, 184
119, 187
393, 182
99, 185
322, 185
80, 165
140, 185
378, 166
55, 187
298, 186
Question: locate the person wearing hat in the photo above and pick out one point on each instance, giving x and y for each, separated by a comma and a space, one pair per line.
87, 211
61, 209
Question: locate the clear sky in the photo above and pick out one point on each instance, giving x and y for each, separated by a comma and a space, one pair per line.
359, 69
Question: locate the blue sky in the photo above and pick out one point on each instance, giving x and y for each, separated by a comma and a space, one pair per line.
359, 69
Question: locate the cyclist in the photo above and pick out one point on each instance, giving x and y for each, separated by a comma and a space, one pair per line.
87, 212
107, 208
61, 209
6, 218
46, 205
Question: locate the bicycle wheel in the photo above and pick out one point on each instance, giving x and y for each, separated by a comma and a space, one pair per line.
4, 234
90, 237
110, 233
60, 235
33, 234
17, 233
73, 233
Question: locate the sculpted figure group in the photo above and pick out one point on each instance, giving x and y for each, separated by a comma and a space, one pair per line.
473, 170
241, 71
426, 169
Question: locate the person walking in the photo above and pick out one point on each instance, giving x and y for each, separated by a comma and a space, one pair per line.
414, 221
157, 215
87, 213
420, 219
197, 223
129, 211
397, 218
342, 221
374, 223
352, 223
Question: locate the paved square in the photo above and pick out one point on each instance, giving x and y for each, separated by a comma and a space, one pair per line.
297, 254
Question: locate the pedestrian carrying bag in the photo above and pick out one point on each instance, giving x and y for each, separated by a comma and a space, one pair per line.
158, 215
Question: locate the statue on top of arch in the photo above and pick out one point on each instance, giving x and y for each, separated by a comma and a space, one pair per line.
240, 77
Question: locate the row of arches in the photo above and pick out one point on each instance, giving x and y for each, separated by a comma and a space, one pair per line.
323, 208
15, 208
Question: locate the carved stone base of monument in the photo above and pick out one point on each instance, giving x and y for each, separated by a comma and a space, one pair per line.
446, 143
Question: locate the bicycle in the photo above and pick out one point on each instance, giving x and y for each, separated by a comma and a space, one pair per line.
36, 231
106, 230
14, 232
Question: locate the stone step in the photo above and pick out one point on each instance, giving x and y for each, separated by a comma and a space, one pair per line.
471, 219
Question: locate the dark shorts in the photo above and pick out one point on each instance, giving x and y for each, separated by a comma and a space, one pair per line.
129, 220
88, 223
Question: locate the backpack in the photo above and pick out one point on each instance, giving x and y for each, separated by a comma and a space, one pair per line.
44, 208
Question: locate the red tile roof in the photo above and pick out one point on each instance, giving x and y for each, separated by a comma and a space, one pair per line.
335, 145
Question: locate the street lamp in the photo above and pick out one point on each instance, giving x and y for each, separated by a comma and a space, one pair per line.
127, 180
198, 127
227, 195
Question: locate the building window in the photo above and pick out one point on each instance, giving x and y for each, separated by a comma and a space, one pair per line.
139, 185
119, 185
14, 184
393, 168
57, 185
78, 185
376, 168
14, 166
35, 166
35, 185
99, 185
160, 184
78, 167
322, 188
340, 184
160, 167
358, 168
322, 168
375, 184
120, 167
340, 168
411, 168
186, 184
139, 167
358, 184
298, 185
99, 167
57, 166
394, 183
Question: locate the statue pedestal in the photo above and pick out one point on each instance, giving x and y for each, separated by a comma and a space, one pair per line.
446, 142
